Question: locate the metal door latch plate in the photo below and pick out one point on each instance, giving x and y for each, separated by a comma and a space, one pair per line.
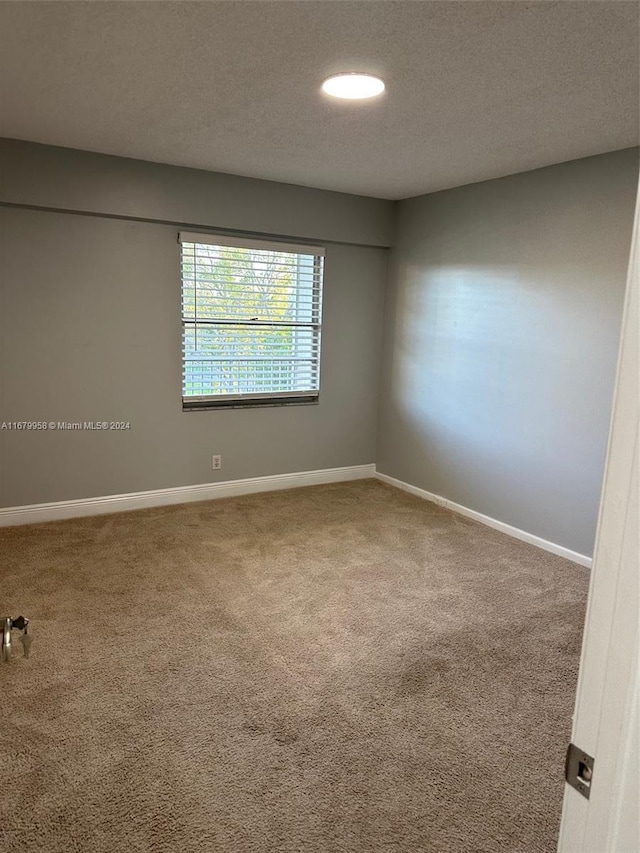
578, 770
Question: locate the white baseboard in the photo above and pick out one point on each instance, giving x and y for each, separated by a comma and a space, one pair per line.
581, 559
35, 513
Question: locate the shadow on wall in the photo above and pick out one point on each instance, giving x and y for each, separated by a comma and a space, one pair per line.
491, 388
503, 322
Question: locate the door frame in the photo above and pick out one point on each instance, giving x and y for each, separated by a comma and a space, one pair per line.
605, 723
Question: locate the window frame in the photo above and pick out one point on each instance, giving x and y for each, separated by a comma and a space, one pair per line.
267, 399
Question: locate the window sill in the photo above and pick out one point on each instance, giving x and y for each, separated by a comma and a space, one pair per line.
210, 405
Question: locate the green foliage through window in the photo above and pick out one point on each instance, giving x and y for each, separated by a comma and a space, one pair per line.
251, 321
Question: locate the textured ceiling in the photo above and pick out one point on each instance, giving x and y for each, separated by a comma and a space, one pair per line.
475, 90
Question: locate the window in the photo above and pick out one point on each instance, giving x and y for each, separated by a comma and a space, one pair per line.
251, 322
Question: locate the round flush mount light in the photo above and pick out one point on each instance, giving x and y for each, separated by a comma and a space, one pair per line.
353, 86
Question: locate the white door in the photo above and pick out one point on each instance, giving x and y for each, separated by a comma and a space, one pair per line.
606, 719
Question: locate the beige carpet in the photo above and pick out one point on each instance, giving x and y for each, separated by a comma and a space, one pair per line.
345, 669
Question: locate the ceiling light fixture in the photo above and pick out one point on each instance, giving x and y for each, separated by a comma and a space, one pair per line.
353, 86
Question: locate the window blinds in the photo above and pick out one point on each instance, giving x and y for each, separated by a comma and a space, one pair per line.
251, 321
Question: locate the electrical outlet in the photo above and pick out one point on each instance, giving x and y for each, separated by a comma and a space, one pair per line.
216, 463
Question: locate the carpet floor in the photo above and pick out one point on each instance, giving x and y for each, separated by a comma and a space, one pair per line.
338, 669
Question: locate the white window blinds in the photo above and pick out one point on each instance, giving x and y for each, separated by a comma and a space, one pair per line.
251, 321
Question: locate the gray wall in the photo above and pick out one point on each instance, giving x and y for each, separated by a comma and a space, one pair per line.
90, 330
45, 176
502, 323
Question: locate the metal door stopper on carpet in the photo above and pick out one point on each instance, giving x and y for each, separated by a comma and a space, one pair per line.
20, 624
